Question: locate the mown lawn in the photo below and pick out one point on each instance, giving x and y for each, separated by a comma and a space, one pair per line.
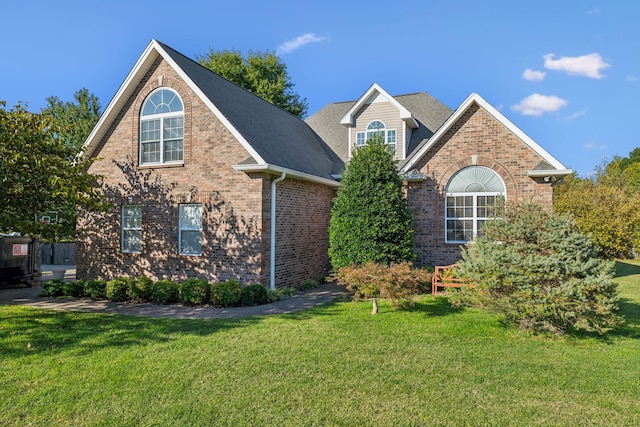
333, 365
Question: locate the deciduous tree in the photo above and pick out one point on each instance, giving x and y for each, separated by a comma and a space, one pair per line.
262, 73
39, 172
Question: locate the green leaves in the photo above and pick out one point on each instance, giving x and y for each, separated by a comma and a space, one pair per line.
261, 73
370, 218
40, 173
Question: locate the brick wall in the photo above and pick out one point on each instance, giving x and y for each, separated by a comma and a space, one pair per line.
232, 235
476, 139
302, 238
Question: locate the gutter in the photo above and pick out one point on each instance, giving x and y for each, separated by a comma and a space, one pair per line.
272, 255
269, 168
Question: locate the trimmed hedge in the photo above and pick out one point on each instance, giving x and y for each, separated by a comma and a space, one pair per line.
195, 292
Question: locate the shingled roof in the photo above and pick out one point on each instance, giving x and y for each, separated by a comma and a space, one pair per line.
428, 112
273, 136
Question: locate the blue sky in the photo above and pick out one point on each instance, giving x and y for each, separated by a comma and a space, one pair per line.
565, 72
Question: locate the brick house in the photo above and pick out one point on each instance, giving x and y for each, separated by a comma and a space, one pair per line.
209, 180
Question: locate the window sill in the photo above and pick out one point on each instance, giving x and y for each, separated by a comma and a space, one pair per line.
161, 166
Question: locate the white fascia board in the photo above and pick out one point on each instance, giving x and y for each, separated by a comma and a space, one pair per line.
541, 173
405, 114
475, 98
265, 167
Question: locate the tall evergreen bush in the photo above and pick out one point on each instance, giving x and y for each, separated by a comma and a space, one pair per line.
370, 217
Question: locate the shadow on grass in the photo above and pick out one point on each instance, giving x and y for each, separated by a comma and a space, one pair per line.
625, 268
25, 331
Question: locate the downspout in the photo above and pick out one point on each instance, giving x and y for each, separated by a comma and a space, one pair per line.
272, 265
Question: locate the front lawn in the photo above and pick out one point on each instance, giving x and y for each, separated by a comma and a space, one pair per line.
332, 365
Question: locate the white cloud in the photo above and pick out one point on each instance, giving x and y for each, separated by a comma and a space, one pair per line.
533, 75
576, 115
291, 45
536, 104
594, 146
632, 77
594, 11
585, 65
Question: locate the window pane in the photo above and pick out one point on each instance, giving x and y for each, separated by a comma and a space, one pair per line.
173, 151
151, 152
150, 130
131, 228
391, 136
190, 243
190, 217
360, 138
131, 241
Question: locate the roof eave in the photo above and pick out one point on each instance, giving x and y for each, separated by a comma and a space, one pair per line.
269, 168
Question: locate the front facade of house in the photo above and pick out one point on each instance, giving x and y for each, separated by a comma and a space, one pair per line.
208, 180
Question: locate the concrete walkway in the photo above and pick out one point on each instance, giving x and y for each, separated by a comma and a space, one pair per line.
301, 301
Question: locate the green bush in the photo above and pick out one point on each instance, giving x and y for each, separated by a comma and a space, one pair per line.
73, 289
141, 289
370, 217
95, 289
194, 292
308, 284
118, 289
254, 295
280, 294
540, 272
52, 288
226, 294
165, 291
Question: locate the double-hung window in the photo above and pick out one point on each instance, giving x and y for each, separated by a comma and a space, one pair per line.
162, 128
190, 229
131, 229
472, 196
377, 129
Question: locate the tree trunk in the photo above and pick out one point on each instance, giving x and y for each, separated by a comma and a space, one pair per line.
375, 306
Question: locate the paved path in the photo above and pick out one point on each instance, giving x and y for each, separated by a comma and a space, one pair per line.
29, 296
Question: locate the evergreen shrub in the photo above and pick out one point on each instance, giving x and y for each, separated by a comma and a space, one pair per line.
95, 289
52, 288
194, 292
255, 294
141, 289
165, 291
118, 289
370, 217
540, 272
74, 288
226, 294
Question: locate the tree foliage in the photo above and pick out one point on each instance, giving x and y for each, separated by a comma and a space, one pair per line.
537, 269
606, 205
370, 218
75, 120
262, 73
39, 173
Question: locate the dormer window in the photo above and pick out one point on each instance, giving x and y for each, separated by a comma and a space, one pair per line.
162, 128
378, 128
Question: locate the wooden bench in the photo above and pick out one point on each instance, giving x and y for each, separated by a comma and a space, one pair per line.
440, 280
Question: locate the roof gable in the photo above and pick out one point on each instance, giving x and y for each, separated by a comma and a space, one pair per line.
372, 93
474, 98
271, 135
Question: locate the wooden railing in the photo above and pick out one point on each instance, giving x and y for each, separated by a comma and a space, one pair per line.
441, 279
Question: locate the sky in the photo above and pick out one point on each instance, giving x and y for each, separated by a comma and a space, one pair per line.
565, 72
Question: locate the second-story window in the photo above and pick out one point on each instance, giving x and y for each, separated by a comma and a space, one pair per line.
162, 128
377, 128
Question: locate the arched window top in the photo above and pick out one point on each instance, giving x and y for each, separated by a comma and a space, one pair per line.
162, 101
376, 125
475, 179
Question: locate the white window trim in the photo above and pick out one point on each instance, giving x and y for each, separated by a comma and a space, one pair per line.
367, 133
475, 217
124, 229
161, 117
181, 229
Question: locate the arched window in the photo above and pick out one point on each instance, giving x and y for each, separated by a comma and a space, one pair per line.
162, 128
377, 127
472, 194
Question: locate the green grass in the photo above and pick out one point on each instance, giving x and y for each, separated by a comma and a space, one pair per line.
332, 365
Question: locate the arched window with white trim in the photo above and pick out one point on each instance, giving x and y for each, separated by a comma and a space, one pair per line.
162, 128
472, 195
378, 128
